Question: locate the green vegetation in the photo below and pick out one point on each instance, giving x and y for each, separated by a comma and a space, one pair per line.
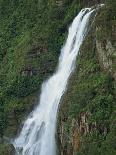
31, 35
28, 53
92, 91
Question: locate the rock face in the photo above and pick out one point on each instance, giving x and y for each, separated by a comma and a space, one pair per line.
107, 56
29, 71
78, 128
105, 53
32, 33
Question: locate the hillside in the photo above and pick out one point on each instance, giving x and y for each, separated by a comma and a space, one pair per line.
31, 35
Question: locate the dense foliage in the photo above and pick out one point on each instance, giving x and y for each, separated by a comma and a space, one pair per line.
91, 95
31, 35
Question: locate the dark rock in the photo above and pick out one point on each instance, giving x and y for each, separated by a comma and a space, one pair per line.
36, 51
29, 71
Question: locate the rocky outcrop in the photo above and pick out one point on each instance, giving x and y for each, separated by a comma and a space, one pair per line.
78, 127
29, 71
105, 51
107, 55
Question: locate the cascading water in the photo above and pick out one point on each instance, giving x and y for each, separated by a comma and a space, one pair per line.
38, 133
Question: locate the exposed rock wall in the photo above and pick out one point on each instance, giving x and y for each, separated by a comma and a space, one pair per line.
107, 56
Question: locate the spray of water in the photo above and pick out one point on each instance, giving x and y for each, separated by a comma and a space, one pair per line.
38, 133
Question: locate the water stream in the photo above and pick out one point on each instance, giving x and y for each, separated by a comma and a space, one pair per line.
37, 136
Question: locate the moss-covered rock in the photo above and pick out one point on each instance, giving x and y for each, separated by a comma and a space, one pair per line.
7, 149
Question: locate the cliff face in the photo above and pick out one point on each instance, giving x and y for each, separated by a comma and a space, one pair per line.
86, 118
31, 35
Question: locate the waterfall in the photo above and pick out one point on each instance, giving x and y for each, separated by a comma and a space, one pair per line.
38, 133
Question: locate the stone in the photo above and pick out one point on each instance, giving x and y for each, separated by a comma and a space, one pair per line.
105, 52
29, 71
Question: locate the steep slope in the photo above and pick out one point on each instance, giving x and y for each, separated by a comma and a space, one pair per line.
31, 35
86, 123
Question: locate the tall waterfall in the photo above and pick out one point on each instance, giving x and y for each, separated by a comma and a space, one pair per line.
38, 133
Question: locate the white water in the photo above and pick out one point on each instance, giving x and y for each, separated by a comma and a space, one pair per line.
38, 133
